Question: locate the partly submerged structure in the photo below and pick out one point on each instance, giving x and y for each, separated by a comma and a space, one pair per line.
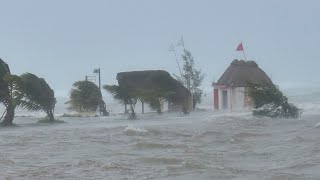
180, 97
230, 91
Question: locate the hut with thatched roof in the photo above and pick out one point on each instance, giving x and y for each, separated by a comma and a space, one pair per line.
230, 91
179, 97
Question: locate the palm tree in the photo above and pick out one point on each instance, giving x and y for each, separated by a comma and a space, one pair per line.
27, 91
6, 95
37, 95
85, 96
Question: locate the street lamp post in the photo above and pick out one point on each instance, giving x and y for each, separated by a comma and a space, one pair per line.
99, 75
97, 71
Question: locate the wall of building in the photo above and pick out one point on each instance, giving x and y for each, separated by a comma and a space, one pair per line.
220, 99
235, 98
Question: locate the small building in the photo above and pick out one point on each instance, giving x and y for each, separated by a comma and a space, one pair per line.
180, 98
230, 91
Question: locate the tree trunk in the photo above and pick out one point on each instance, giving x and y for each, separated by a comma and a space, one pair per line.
50, 115
142, 104
132, 114
8, 118
125, 109
194, 103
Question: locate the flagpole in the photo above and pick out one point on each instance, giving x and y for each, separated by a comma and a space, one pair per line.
244, 54
245, 58
183, 43
240, 48
175, 54
184, 50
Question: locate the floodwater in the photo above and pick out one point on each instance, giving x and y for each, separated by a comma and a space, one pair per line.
202, 145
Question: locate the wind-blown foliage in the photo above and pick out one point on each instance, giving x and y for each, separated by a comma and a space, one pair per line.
37, 95
5, 94
154, 97
27, 91
269, 101
85, 96
124, 96
192, 78
130, 96
118, 93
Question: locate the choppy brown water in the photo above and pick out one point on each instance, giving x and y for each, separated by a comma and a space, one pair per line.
203, 145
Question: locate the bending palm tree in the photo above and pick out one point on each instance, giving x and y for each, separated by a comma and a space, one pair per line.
85, 97
37, 95
6, 94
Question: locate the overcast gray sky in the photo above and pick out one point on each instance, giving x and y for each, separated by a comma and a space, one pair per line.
64, 40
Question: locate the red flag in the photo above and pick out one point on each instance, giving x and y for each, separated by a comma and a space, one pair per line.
240, 47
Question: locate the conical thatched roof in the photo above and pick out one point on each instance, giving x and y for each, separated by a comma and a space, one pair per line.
240, 73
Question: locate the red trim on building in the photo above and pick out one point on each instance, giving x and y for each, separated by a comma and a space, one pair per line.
216, 99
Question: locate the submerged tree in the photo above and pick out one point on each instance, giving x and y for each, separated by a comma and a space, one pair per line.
269, 101
37, 95
191, 77
85, 96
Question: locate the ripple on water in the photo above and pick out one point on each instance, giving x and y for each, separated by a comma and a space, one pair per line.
152, 145
161, 160
5, 161
107, 166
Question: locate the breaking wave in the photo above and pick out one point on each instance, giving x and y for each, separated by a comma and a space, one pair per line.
131, 130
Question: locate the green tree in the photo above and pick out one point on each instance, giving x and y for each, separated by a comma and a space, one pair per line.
154, 97
27, 91
85, 96
6, 94
269, 101
37, 95
191, 77
124, 96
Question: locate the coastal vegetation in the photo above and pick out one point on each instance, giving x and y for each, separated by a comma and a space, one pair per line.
124, 96
153, 88
191, 77
149, 87
269, 101
26, 91
154, 98
37, 95
6, 95
85, 96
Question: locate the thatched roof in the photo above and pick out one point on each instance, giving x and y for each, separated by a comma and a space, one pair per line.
152, 80
239, 73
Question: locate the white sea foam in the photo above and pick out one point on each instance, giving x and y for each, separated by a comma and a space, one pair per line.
134, 130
